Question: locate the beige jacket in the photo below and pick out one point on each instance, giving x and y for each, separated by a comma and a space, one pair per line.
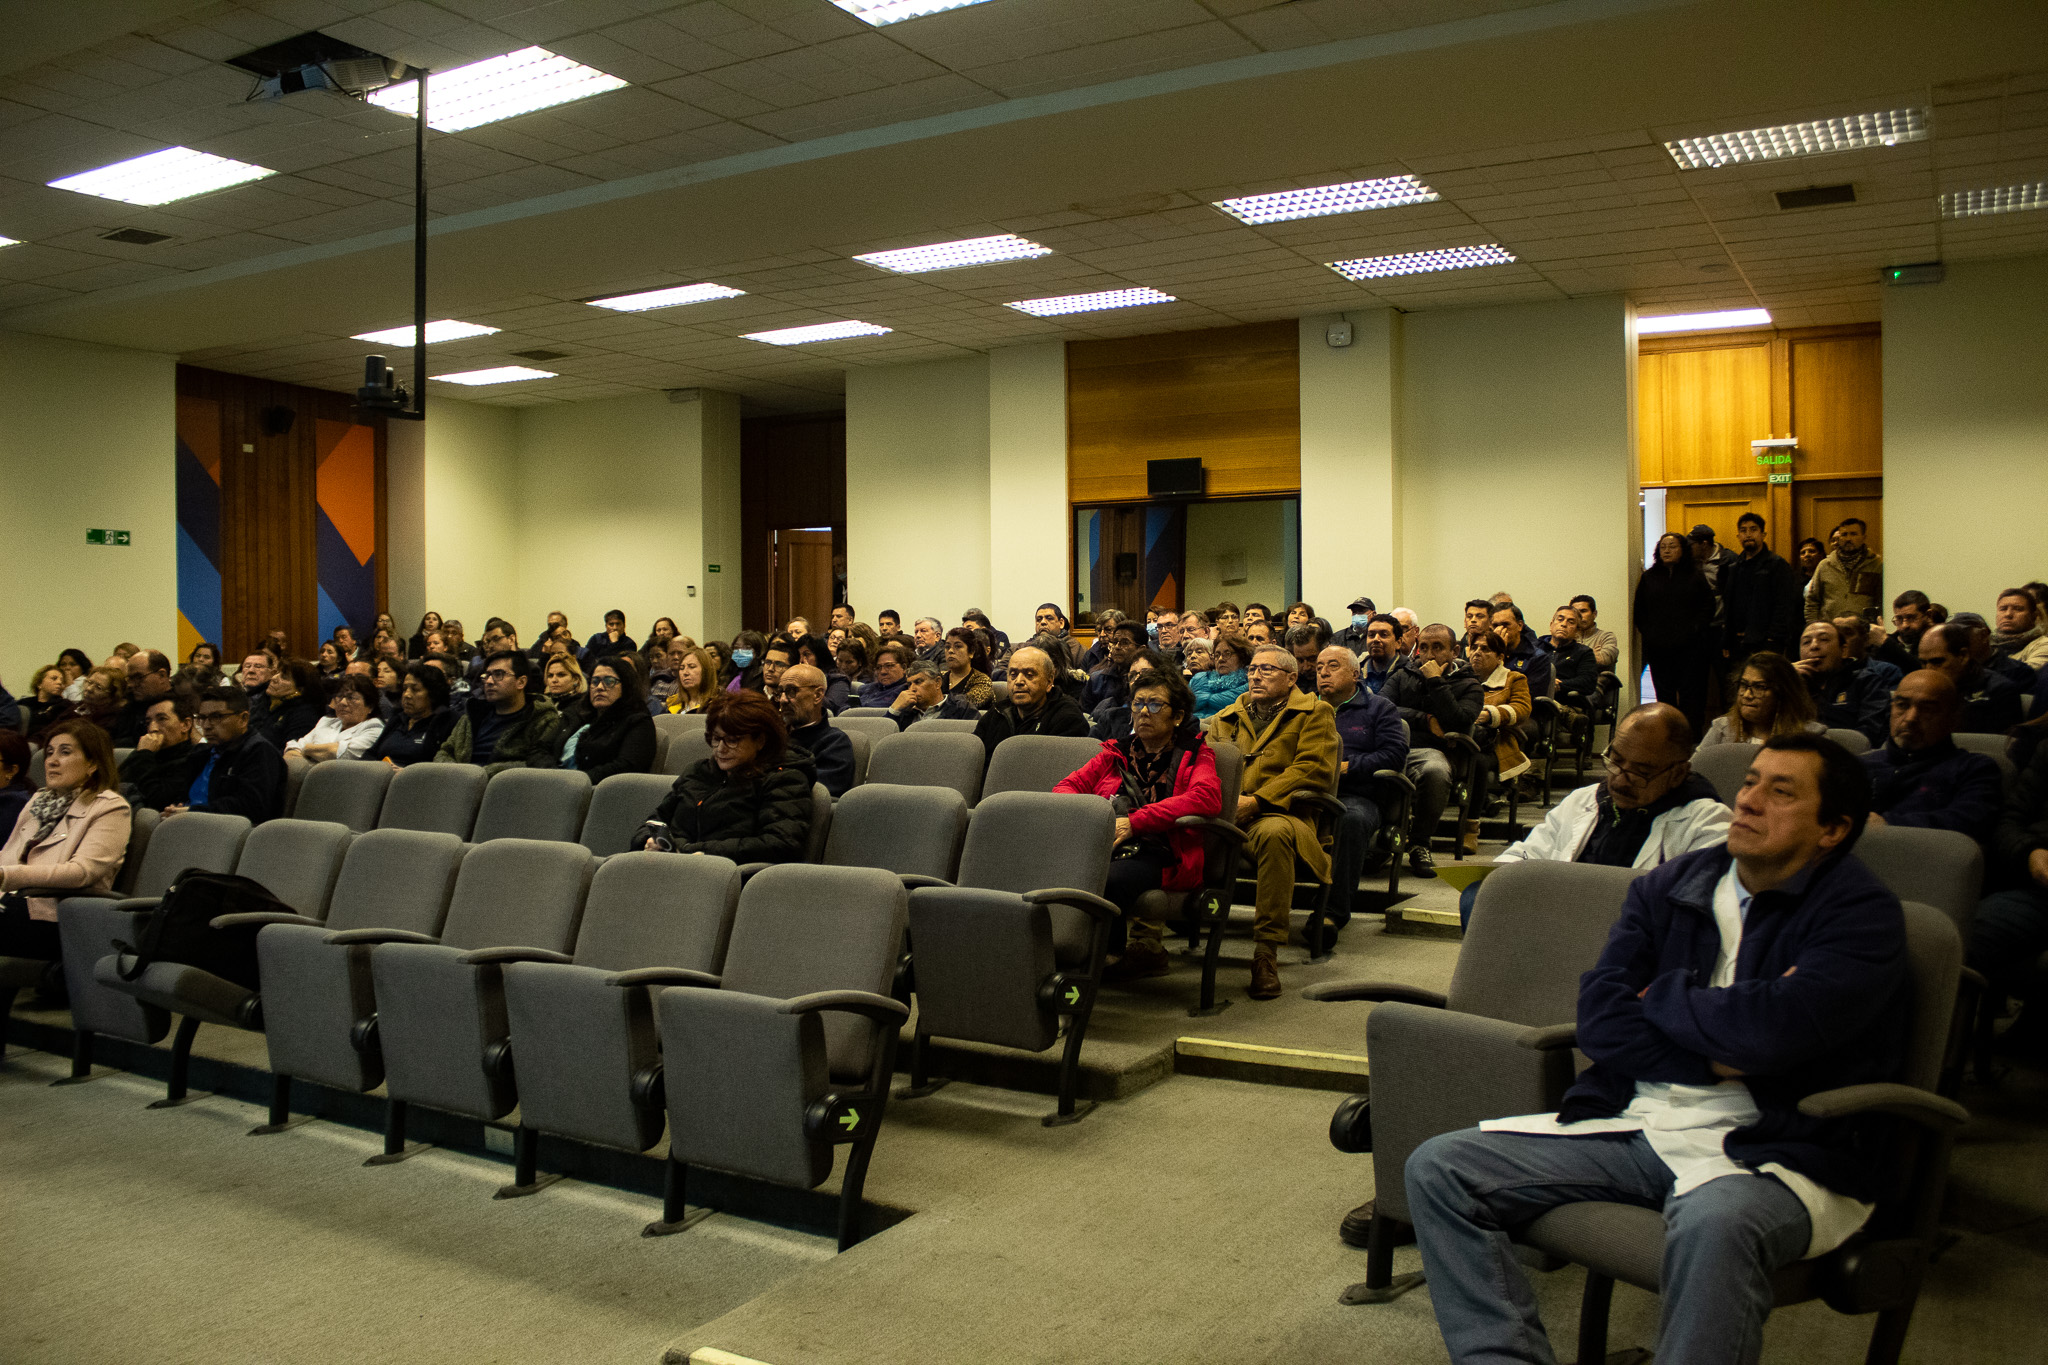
1297, 751
80, 853
1838, 590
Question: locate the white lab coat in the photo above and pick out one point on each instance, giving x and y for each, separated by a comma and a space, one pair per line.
1563, 833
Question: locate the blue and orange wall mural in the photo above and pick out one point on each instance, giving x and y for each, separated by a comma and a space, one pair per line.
199, 549
345, 527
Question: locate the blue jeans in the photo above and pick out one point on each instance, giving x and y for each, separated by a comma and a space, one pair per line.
1465, 899
1467, 1191
1354, 835
2008, 937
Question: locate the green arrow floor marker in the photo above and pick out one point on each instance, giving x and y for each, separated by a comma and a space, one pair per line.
850, 1119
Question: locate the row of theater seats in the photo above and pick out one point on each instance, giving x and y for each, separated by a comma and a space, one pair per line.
1723, 765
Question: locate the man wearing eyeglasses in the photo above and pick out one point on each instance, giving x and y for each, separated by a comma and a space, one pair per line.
243, 773
1648, 809
800, 696
505, 727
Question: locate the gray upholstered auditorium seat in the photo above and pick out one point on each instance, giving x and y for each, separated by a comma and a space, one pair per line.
914, 831
942, 724
296, 861
1723, 765
873, 723
317, 993
347, 791
921, 758
863, 749
579, 1043
1938, 867
619, 805
1017, 946
1444, 1062
1208, 906
89, 926
789, 1051
441, 1011
1036, 763
1855, 741
438, 798
686, 749
16, 973
533, 803
682, 724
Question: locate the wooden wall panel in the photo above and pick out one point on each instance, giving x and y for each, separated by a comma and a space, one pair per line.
1717, 505
1698, 410
1230, 396
1819, 506
1838, 405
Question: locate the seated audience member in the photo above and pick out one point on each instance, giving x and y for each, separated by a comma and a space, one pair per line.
2019, 634
328, 661
1035, 705
504, 727
1920, 779
1411, 633
664, 632
149, 677
777, 655
817, 652
160, 771
1901, 649
998, 641
389, 677
455, 645
243, 774
204, 656
1855, 634
1844, 697
1770, 699
751, 800
1050, 620
1525, 656
104, 698
1167, 638
889, 681
888, 626
70, 836
1306, 644
1300, 614
801, 699
295, 702
2010, 931
75, 665
1352, 637
1438, 697
1504, 708
924, 697
1381, 657
1574, 668
430, 623
423, 722
607, 730
350, 730
1196, 657
1370, 733
926, 640
696, 681
612, 639
1259, 632
1194, 625
1289, 741
1152, 777
1097, 653
1229, 619
1649, 808
852, 657
44, 703
966, 667
15, 788
1119, 644
1990, 702
1478, 620
1112, 719
1605, 646
1256, 612
458, 684
561, 679
743, 662
1703, 1045
1224, 681
1988, 659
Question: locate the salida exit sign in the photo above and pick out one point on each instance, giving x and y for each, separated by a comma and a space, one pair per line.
99, 537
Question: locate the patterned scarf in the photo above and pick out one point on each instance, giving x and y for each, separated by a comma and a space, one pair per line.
1262, 713
45, 809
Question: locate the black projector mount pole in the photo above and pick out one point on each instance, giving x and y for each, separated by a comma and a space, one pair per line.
419, 257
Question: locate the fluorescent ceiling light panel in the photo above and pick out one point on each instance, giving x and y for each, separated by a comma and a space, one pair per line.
672, 297
912, 260
1887, 128
446, 329
879, 12
497, 88
1354, 196
818, 331
1090, 303
1703, 322
10, 241
163, 177
2004, 199
503, 374
1422, 262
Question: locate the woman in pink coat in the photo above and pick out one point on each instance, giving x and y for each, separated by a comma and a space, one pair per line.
71, 837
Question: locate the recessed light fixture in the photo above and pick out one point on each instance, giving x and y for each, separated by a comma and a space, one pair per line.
1886, 128
2004, 199
162, 177
879, 12
10, 241
1354, 196
1090, 303
665, 298
912, 260
135, 236
818, 331
497, 88
1703, 322
502, 374
1421, 262
447, 329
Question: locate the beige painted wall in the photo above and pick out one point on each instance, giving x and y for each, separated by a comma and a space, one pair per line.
1350, 478
1517, 468
1027, 482
87, 439
472, 553
405, 503
1966, 432
1255, 528
917, 490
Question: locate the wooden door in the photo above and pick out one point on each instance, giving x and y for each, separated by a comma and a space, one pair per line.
803, 576
1822, 505
1716, 505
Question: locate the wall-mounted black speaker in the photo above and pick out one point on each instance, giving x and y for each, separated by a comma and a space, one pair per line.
1127, 566
277, 420
1173, 478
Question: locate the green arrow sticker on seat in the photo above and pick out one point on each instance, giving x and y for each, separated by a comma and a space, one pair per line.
850, 1119
1073, 995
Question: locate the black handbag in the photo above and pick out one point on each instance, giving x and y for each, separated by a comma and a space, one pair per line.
180, 928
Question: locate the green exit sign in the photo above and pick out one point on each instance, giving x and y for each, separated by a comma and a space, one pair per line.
98, 537
1781, 478
712, 568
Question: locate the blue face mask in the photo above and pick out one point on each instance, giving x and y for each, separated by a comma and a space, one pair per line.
1361, 621
1152, 629
742, 657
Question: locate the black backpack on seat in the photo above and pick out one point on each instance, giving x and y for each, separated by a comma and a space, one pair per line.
180, 928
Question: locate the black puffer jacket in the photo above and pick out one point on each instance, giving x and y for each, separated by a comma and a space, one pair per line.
617, 739
763, 819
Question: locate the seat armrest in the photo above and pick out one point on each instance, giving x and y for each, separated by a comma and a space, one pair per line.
351, 937
1322, 801
1924, 1107
1975, 978
1543, 706
913, 881
1550, 1037
1210, 824
867, 1004
1094, 905
1389, 776
1608, 679
749, 869
1376, 992
484, 956
261, 917
663, 976
1461, 743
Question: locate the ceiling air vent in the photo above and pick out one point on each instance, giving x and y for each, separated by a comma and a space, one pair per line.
1816, 196
135, 236
541, 355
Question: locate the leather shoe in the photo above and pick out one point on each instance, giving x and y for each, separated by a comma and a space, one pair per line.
1421, 861
1356, 1229
1139, 960
1265, 975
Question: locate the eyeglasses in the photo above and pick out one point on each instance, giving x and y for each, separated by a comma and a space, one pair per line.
1748, 686
726, 741
1266, 670
603, 684
498, 675
210, 717
1635, 772
1148, 708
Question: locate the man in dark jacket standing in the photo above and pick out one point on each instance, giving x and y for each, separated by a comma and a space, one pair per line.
1437, 697
1738, 981
1761, 594
1920, 779
244, 773
1035, 706
1369, 728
